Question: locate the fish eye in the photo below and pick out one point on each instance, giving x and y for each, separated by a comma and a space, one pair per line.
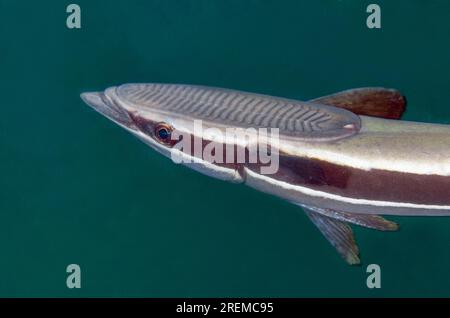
163, 132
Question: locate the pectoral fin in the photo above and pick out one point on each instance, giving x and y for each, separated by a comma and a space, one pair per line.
338, 233
334, 226
369, 101
371, 221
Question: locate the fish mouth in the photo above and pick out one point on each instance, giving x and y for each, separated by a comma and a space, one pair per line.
108, 108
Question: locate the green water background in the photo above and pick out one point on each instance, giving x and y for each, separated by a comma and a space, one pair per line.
75, 188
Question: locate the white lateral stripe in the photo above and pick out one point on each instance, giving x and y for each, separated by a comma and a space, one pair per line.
336, 197
207, 167
441, 168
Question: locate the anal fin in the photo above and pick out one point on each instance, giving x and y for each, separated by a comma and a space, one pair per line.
339, 234
369, 101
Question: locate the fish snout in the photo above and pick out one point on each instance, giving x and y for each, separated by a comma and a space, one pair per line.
108, 108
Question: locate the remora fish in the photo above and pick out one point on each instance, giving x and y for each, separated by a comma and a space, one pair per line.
344, 158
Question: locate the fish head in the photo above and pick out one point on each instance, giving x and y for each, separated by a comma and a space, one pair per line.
162, 128
153, 127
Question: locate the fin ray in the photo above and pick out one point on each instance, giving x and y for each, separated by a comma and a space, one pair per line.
369, 101
339, 234
371, 221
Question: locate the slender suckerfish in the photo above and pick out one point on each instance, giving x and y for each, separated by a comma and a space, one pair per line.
344, 158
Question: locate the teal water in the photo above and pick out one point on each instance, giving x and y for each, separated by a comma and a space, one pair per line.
75, 188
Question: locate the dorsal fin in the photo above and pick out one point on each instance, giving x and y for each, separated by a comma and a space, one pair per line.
369, 101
